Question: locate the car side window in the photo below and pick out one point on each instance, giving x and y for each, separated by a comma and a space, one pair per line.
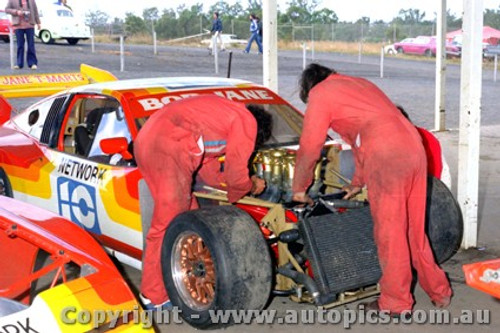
32, 120
90, 120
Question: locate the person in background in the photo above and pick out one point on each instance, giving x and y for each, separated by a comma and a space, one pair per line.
390, 160
216, 33
255, 35
436, 162
24, 18
183, 139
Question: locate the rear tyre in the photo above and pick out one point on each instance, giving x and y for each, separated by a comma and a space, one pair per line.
73, 41
444, 223
5, 187
46, 37
215, 259
428, 53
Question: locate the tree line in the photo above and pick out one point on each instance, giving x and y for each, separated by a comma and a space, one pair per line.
185, 21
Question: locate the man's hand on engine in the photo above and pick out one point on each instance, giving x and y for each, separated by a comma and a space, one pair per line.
258, 185
351, 191
303, 197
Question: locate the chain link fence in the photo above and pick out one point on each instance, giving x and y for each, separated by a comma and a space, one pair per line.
342, 32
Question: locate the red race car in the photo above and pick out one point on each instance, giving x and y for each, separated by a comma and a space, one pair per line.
71, 153
5, 26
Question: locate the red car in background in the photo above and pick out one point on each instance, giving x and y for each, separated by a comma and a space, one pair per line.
424, 45
4, 26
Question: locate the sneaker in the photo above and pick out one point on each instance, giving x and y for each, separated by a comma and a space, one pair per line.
16, 67
148, 305
34, 67
245, 51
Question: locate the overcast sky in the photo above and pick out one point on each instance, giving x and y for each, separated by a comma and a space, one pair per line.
349, 10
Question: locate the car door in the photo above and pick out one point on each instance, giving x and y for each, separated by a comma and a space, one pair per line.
96, 190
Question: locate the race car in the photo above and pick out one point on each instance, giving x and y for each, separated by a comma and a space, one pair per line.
53, 272
72, 153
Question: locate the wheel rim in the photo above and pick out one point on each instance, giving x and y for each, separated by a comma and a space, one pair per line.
193, 271
46, 36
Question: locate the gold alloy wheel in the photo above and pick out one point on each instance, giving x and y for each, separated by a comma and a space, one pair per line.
193, 271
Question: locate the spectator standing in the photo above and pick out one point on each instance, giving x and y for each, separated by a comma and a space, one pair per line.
254, 30
216, 32
24, 18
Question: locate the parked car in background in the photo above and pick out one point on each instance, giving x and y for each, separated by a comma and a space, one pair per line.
425, 45
389, 49
227, 39
4, 26
60, 23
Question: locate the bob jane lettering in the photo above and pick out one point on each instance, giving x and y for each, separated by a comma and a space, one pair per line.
82, 171
152, 103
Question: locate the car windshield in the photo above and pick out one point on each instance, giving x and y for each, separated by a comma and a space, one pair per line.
287, 124
64, 13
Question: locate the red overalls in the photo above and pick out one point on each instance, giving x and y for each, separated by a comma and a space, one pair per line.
169, 149
391, 161
433, 152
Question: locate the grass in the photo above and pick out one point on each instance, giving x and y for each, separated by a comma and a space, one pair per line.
319, 46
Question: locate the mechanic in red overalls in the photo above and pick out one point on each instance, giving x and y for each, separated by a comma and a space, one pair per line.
183, 137
390, 160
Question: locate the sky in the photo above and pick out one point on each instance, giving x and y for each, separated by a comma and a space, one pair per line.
350, 10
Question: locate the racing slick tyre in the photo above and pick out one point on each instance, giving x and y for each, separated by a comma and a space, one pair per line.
215, 259
5, 187
444, 223
46, 37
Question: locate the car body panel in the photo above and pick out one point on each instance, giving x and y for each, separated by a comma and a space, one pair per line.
5, 26
61, 22
484, 276
424, 45
228, 39
99, 286
100, 197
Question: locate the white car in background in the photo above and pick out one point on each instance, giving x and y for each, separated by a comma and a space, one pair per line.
227, 39
58, 22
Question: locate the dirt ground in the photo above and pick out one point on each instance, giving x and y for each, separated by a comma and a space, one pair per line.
408, 82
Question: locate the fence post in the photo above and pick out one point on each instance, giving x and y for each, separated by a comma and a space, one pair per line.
122, 54
155, 49
293, 33
215, 53
495, 68
92, 41
304, 55
382, 62
232, 27
312, 42
11, 42
333, 32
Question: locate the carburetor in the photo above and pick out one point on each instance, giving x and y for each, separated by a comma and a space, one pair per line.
277, 168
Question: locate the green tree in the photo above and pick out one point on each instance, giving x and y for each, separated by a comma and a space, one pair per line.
96, 18
150, 16
492, 18
134, 24
324, 16
411, 16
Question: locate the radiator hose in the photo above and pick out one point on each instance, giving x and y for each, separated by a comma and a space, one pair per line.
301, 278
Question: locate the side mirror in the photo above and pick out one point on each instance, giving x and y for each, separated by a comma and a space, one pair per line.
116, 146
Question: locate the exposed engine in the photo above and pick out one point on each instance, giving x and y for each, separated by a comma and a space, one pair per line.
277, 167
